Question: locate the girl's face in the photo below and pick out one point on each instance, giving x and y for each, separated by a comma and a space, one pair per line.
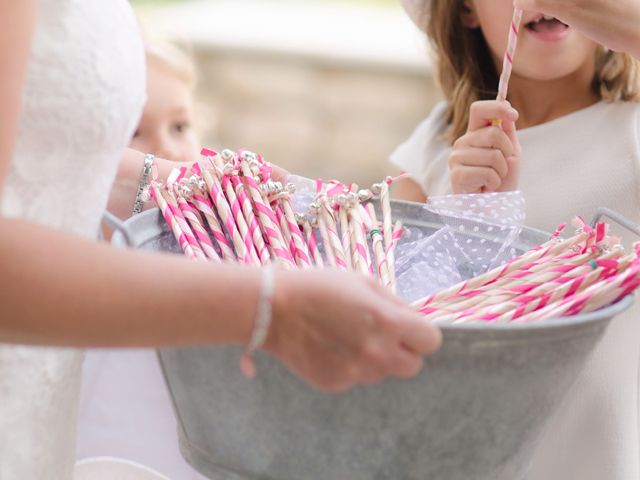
547, 49
165, 129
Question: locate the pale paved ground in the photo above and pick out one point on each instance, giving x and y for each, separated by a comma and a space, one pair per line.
325, 89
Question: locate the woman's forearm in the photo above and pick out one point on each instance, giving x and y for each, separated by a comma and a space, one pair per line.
58, 289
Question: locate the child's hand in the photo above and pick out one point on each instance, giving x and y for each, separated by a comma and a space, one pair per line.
614, 24
487, 158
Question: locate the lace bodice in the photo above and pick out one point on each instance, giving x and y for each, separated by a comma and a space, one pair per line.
83, 97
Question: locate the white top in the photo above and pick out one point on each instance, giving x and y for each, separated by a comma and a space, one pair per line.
126, 412
83, 96
570, 166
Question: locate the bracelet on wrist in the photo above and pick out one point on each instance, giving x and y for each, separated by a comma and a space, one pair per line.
263, 320
143, 185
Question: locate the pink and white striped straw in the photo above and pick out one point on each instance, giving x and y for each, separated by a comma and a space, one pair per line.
218, 162
266, 215
300, 247
507, 65
226, 215
203, 203
179, 235
195, 221
327, 220
172, 203
252, 222
312, 241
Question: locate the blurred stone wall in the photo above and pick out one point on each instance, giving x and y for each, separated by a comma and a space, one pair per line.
325, 89
315, 118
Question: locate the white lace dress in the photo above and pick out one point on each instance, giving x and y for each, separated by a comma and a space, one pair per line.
84, 94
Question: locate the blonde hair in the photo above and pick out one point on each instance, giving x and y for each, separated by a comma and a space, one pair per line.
466, 72
173, 59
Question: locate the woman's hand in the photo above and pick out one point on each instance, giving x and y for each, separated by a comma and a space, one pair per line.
487, 158
613, 23
338, 329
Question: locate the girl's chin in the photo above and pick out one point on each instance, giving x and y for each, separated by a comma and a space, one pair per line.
548, 68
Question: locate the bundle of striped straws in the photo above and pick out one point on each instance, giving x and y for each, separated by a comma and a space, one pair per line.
227, 207
560, 278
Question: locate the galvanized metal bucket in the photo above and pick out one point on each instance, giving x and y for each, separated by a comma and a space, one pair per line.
475, 412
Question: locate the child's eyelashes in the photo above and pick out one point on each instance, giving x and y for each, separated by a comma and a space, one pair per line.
180, 127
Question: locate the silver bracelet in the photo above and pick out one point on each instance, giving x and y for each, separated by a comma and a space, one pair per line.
263, 319
144, 183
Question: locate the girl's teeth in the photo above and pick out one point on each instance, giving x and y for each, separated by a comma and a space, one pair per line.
547, 17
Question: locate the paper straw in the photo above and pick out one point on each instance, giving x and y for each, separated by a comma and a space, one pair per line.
301, 249
345, 235
507, 65
378, 249
179, 235
536, 296
536, 272
266, 216
327, 222
387, 229
313, 243
549, 249
360, 248
226, 215
203, 203
255, 230
196, 224
172, 203
236, 208
284, 228
596, 296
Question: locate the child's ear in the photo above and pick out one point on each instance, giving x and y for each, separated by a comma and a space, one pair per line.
468, 15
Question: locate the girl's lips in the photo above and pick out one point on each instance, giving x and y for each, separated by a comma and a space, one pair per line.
548, 30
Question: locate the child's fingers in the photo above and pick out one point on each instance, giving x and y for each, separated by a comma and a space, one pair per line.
480, 157
472, 179
510, 182
489, 138
509, 129
279, 174
484, 112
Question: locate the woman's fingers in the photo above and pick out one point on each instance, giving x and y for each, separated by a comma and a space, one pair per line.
340, 329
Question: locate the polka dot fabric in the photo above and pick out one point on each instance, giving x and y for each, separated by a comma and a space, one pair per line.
478, 233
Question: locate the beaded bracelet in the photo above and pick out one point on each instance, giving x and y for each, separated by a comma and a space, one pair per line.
263, 320
144, 183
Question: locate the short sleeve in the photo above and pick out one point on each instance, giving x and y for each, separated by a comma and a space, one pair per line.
424, 155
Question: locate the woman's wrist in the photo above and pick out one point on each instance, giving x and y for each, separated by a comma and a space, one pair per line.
284, 286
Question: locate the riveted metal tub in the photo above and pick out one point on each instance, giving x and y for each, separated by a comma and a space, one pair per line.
474, 413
